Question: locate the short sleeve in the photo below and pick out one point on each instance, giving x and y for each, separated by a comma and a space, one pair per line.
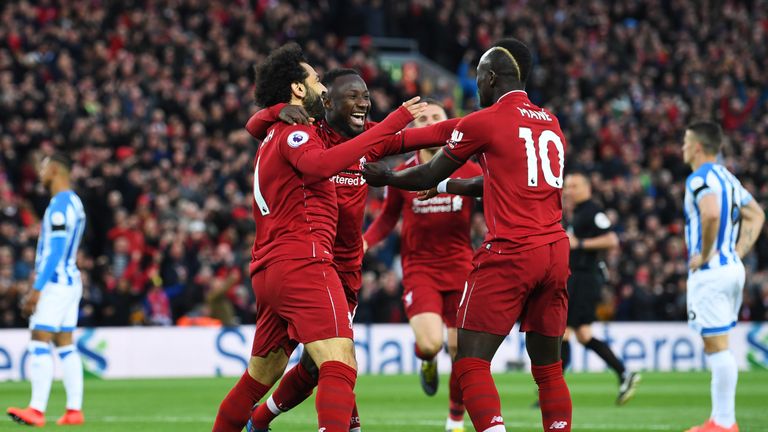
601, 222
468, 138
296, 141
746, 197
57, 218
699, 187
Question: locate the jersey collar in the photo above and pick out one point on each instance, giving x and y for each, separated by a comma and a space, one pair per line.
523, 92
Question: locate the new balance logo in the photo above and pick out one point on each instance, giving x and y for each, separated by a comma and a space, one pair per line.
497, 419
456, 137
321, 430
558, 425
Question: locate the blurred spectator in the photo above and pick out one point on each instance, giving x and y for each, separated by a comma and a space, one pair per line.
149, 99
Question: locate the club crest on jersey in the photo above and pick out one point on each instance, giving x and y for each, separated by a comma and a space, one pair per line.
456, 137
297, 138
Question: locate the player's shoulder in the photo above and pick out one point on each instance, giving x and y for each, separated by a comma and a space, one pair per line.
295, 136
698, 177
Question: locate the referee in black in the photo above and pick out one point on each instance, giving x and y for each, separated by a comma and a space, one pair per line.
590, 234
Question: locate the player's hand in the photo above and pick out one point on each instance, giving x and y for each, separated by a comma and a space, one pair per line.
376, 173
295, 114
414, 106
29, 303
697, 261
426, 194
573, 240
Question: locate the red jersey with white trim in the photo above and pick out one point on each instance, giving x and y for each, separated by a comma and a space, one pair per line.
435, 234
521, 150
295, 214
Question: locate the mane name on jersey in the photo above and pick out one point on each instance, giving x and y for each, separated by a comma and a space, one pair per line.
536, 115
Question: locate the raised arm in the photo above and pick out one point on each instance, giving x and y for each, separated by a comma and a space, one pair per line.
752, 219
419, 138
321, 162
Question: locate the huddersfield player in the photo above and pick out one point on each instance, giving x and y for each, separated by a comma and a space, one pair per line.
54, 300
436, 252
521, 270
722, 222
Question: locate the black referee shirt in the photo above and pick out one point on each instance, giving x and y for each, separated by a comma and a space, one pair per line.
588, 221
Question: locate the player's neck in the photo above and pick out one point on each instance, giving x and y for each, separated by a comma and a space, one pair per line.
498, 92
701, 160
59, 184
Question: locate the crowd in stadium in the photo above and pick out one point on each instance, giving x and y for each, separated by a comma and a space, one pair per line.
150, 102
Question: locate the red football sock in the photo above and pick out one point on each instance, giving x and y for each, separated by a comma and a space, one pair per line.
420, 354
480, 395
456, 403
236, 407
354, 422
554, 397
295, 387
335, 396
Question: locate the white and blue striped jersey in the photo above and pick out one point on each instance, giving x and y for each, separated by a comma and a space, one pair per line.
713, 178
60, 235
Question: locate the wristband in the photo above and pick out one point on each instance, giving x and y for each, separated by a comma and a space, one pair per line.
442, 185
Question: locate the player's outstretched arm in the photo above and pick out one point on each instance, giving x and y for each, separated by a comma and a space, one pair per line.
322, 162
414, 139
259, 123
752, 219
472, 187
417, 178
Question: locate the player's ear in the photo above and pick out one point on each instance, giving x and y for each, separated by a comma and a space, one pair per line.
299, 90
327, 103
491, 78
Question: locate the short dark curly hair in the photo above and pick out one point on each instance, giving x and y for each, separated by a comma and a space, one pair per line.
277, 72
333, 74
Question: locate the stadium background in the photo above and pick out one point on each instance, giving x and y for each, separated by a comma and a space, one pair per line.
150, 99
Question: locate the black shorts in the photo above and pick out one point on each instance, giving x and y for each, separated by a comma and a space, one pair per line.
583, 296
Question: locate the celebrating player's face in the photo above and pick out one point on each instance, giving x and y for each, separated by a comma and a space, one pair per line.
348, 104
315, 90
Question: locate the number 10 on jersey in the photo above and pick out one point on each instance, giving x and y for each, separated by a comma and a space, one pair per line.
547, 136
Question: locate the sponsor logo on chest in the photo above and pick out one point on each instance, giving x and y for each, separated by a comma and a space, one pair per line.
438, 204
350, 177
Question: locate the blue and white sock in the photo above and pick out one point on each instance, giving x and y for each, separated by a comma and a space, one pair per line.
40, 373
73, 376
725, 374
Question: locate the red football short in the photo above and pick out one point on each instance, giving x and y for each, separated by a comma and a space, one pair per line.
298, 301
529, 285
351, 282
432, 290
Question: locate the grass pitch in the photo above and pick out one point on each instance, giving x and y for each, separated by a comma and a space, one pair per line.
664, 402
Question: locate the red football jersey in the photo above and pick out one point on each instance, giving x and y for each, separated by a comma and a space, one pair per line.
295, 206
521, 150
351, 188
435, 234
